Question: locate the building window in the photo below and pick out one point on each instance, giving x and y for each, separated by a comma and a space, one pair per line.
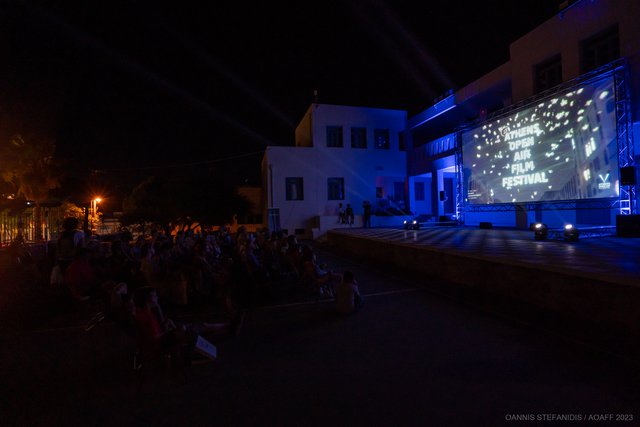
419, 188
334, 136
401, 144
548, 74
600, 49
294, 189
358, 137
381, 137
335, 188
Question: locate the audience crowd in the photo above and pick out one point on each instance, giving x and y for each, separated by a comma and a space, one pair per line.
219, 269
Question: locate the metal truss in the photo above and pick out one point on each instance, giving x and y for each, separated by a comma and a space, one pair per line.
502, 207
624, 128
459, 180
613, 67
561, 205
575, 205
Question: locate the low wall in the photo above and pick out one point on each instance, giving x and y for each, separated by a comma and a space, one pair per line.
591, 299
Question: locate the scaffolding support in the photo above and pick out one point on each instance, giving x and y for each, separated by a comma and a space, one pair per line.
624, 128
460, 208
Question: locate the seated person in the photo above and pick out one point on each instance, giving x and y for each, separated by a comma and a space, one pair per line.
348, 298
317, 274
79, 277
121, 305
157, 335
154, 333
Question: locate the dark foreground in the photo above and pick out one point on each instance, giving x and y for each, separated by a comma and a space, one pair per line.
409, 357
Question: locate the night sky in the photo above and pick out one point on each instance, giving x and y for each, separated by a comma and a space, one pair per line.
132, 88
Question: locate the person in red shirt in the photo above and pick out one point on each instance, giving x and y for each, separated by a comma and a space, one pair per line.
155, 334
79, 277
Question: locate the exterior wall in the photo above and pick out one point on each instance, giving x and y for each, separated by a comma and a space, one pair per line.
347, 117
493, 79
303, 131
420, 207
293, 162
563, 34
362, 169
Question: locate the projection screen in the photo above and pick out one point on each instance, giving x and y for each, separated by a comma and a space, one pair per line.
560, 148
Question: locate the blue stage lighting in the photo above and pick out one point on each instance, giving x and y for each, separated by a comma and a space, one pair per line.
571, 233
540, 231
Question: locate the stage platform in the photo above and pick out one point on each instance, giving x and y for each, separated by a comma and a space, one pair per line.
596, 279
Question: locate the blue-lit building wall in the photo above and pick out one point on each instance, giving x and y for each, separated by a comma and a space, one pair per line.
568, 38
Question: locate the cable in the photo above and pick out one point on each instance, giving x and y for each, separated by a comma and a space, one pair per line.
180, 165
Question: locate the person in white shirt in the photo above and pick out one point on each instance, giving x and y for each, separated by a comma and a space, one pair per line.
348, 298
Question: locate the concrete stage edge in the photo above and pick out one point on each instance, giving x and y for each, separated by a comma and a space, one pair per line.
608, 303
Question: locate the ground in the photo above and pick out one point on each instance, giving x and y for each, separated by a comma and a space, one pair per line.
409, 357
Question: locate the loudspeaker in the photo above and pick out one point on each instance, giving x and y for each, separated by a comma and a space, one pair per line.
628, 175
486, 225
443, 196
628, 225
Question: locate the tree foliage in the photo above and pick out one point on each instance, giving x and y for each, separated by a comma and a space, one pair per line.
28, 165
165, 200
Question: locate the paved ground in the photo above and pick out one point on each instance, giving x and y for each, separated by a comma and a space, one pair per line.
409, 357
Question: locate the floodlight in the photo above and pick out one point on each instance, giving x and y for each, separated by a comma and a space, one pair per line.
571, 234
540, 231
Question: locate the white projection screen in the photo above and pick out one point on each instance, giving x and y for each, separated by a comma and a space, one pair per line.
560, 148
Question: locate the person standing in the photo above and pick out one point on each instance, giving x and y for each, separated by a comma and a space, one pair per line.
366, 214
69, 241
348, 298
349, 214
341, 214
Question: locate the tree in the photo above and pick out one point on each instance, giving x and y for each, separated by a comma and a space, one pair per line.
202, 198
28, 165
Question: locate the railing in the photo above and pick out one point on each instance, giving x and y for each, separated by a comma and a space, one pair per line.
11, 223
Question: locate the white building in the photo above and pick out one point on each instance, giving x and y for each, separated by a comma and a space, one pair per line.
342, 154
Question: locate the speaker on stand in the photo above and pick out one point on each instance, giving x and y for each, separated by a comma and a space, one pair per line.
628, 175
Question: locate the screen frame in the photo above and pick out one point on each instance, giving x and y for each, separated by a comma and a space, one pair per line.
591, 79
